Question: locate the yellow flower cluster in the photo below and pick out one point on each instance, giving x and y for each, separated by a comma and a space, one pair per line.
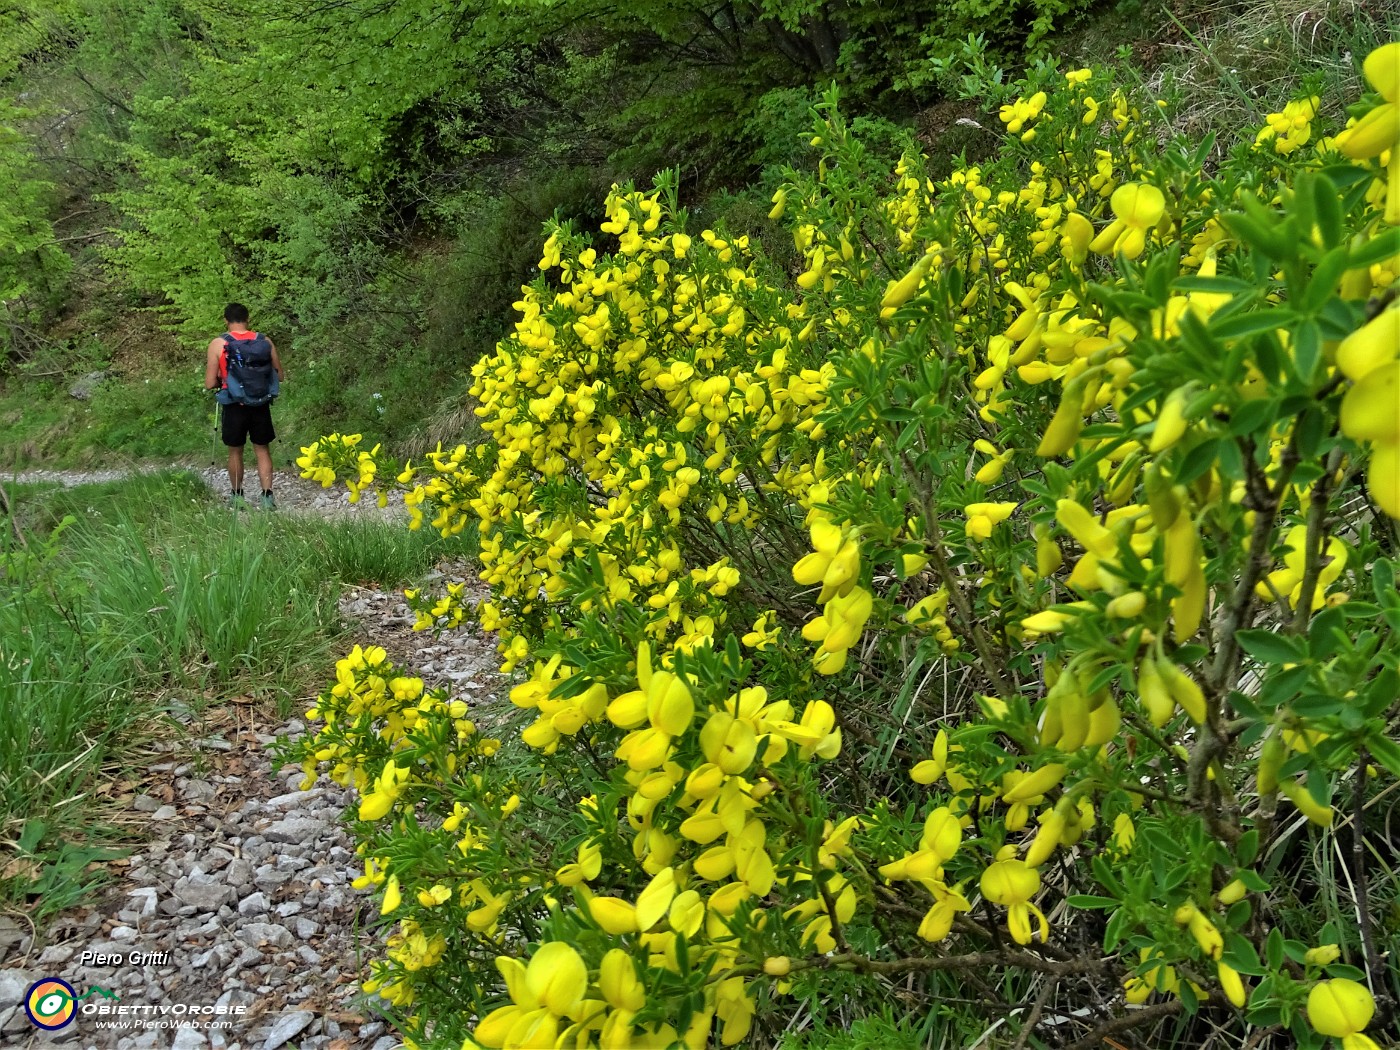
338, 456
1377, 134
1370, 358
1023, 425
1291, 128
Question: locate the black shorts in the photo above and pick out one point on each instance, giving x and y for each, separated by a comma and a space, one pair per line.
245, 423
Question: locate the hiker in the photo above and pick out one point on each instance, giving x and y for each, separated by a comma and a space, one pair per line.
245, 372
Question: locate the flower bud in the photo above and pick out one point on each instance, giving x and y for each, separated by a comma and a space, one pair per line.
1322, 955
777, 966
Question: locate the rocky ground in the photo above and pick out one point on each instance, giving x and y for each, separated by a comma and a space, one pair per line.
238, 894
293, 493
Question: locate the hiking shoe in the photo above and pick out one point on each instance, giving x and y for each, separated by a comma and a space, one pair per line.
268, 503
236, 501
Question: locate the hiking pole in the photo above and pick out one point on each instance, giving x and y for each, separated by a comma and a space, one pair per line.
214, 441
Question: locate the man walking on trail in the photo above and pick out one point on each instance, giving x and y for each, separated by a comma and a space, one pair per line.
245, 371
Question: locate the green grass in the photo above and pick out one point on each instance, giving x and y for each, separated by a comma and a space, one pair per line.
866, 1033
1226, 65
119, 602
157, 417
378, 552
164, 415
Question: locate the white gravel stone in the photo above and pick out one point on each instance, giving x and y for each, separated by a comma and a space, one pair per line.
239, 873
286, 1027
205, 892
257, 934
253, 904
53, 955
294, 798
13, 985
294, 829
144, 901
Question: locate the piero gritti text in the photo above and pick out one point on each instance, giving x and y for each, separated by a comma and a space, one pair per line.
124, 959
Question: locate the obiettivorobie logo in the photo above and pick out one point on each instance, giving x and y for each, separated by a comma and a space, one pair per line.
51, 1002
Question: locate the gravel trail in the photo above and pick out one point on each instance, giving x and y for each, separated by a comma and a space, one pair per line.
237, 899
294, 494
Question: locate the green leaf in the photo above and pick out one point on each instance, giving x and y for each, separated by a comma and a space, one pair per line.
1344, 176
1322, 285
1197, 461
1338, 319
1385, 751
1382, 692
1355, 610
907, 435
1214, 285
1252, 416
1264, 1016
1241, 954
31, 834
1377, 249
1325, 633
1113, 929
1350, 973
1282, 686
1253, 881
1317, 705
1161, 843
1103, 872
1327, 214
1307, 348
1259, 230
1247, 848
1231, 461
1271, 648
1252, 323
1383, 583
1312, 428
1088, 901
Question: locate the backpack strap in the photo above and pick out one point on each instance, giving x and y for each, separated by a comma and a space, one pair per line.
231, 344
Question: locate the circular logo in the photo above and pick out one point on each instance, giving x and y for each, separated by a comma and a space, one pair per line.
50, 1003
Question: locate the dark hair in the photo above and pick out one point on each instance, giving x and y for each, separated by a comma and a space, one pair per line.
236, 313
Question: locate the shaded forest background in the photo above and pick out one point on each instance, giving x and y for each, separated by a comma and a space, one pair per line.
370, 176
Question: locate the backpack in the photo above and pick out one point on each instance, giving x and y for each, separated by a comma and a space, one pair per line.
249, 378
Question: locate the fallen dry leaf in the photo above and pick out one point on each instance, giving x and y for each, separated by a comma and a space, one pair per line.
20, 867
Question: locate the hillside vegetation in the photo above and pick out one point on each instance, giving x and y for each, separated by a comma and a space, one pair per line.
932, 479
371, 176
986, 635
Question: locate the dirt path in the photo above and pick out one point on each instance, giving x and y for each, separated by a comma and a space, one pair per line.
293, 493
237, 902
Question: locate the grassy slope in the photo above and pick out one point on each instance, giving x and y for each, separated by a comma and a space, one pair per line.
121, 603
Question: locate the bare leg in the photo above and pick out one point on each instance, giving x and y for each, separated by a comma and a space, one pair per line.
235, 468
264, 454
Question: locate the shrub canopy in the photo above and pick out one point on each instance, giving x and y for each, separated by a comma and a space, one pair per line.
992, 626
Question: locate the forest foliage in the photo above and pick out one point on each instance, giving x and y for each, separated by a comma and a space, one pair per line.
290, 154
